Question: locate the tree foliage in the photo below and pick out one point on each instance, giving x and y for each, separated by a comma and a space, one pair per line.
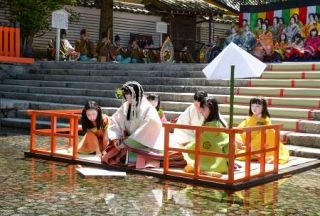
33, 15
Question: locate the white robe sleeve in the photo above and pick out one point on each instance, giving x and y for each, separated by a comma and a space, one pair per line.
116, 124
189, 117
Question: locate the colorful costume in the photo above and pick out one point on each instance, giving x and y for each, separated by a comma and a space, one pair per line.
235, 38
256, 138
295, 49
85, 48
306, 29
248, 41
210, 142
105, 49
312, 46
97, 133
291, 31
264, 45
279, 50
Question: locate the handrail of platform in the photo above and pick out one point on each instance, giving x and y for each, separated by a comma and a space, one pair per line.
70, 132
10, 44
232, 155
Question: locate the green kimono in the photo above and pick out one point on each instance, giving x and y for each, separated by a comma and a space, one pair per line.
211, 141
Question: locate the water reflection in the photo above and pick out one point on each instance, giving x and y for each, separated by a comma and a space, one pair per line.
35, 187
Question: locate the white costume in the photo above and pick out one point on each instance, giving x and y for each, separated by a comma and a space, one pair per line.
138, 120
146, 115
189, 117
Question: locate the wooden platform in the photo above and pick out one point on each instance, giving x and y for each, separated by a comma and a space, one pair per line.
295, 165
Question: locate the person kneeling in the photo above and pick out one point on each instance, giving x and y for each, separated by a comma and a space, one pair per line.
211, 141
95, 124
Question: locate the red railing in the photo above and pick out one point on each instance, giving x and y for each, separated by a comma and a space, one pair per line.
10, 44
70, 132
230, 178
231, 156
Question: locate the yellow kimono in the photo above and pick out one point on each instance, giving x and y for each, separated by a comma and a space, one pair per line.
270, 138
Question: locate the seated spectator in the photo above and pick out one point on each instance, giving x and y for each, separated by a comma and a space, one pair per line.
105, 49
120, 52
232, 37
185, 55
280, 48
295, 49
85, 47
312, 45
292, 29
135, 52
264, 46
248, 40
67, 52
150, 54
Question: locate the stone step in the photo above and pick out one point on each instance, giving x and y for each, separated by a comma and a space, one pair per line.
301, 83
69, 99
141, 80
113, 86
108, 89
78, 96
311, 140
294, 66
279, 92
291, 75
136, 73
309, 114
113, 66
301, 151
274, 101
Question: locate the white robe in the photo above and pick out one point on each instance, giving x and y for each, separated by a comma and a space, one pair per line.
145, 129
190, 117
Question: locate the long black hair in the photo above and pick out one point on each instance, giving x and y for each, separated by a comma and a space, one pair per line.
136, 91
85, 122
214, 115
262, 101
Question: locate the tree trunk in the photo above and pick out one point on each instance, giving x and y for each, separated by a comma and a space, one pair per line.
106, 18
27, 42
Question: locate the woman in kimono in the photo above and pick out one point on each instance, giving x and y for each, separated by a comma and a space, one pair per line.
135, 117
292, 29
264, 45
259, 115
312, 24
280, 48
217, 142
274, 29
155, 101
312, 44
232, 37
248, 40
295, 49
95, 125
258, 29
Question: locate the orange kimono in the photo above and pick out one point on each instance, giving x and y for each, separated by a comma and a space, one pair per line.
264, 45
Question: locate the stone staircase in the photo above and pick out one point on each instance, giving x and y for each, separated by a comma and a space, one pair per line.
291, 89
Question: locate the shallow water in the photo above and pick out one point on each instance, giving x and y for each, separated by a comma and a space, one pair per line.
38, 187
